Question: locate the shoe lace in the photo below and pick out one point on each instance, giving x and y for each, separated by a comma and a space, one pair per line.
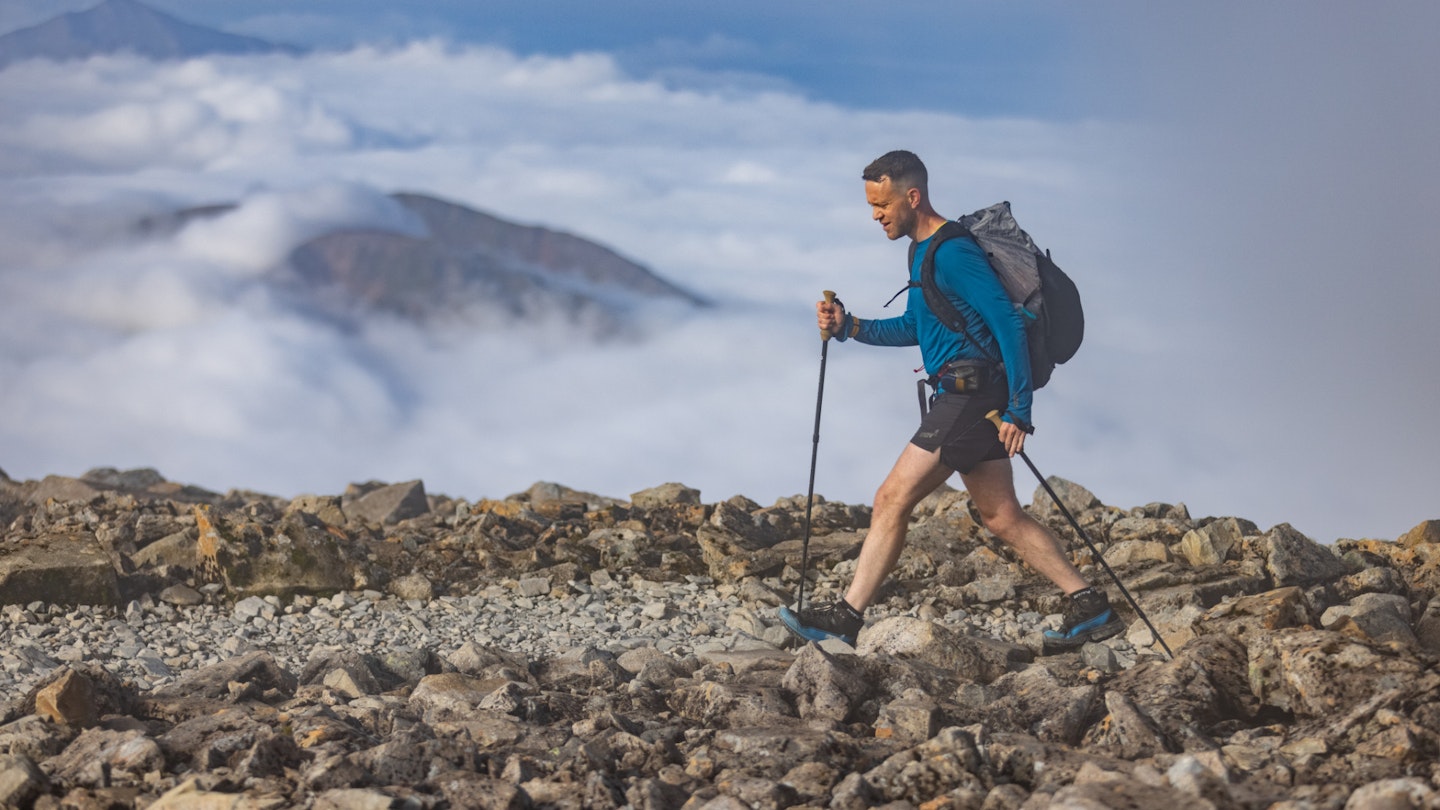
1082, 610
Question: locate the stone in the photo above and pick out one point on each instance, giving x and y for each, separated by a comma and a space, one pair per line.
483, 661
731, 705
32, 736
140, 478
131, 751
21, 781
1382, 579
257, 667
1129, 552
1165, 531
922, 774
415, 586
354, 799
327, 508
1117, 793
1205, 685
250, 607
1210, 544
1291, 558
471, 790
992, 588
592, 685
447, 696
68, 700
1427, 628
534, 586
1381, 618
1035, 701
741, 661
908, 720
67, 569
1320, 673
176, 550
1076, 498
1100, 657
388, 505
182, 595
1392, 794
350, 682
288, 558
671, 494
981, 660
189, 796
1426, 532
1256, 614
62, 489
1127, 731
825, 686
731, 557
1190, 775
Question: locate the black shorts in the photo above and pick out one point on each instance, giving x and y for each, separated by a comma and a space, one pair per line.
957, 425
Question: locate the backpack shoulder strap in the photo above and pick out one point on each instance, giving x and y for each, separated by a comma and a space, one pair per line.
934, 299
944, 311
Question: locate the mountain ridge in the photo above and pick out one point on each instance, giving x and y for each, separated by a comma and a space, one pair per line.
125, 26
467, 265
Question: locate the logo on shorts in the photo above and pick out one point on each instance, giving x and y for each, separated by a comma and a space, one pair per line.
929, 434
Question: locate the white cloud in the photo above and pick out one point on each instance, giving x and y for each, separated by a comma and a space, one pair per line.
172, 352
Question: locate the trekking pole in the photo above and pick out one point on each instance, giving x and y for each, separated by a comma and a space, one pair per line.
814, 455
994, 416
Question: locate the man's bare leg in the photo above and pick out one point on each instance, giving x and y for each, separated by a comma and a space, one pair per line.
991, 485
916, 474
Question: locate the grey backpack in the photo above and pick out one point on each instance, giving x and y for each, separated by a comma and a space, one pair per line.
1046, 298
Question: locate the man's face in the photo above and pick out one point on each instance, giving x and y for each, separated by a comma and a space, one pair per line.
890, 207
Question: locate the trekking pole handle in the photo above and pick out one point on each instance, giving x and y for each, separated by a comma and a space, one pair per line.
829, 299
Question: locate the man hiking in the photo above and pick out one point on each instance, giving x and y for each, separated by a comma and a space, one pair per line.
954, 436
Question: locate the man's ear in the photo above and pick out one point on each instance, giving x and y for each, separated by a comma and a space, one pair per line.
913, 196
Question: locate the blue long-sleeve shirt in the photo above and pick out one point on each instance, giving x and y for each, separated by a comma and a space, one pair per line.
964, 276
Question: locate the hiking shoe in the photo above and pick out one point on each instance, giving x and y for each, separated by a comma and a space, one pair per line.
1088, 618
838, 620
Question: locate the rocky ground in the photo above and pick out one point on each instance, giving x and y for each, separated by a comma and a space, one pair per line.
164, 646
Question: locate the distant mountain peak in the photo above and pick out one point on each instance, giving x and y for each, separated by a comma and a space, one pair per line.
124, 26
461, 265
474, 265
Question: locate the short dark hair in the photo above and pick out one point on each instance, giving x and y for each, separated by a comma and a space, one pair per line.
902, 167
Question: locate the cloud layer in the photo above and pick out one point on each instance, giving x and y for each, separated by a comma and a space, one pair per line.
1202, 378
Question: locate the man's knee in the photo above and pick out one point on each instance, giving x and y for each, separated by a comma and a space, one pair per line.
891, 498
898, 498
1005, 521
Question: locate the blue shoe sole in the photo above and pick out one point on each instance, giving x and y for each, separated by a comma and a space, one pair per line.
1099, 628
800, 631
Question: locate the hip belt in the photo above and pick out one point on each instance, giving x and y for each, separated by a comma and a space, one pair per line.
958, 377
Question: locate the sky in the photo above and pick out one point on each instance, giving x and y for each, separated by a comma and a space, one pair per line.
1244, 194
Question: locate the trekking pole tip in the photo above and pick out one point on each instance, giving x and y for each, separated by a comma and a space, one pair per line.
829, 299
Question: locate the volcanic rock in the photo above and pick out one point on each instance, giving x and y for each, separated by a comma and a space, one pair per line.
389, 647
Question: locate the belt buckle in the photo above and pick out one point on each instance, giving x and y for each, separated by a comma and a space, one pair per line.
962, 379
